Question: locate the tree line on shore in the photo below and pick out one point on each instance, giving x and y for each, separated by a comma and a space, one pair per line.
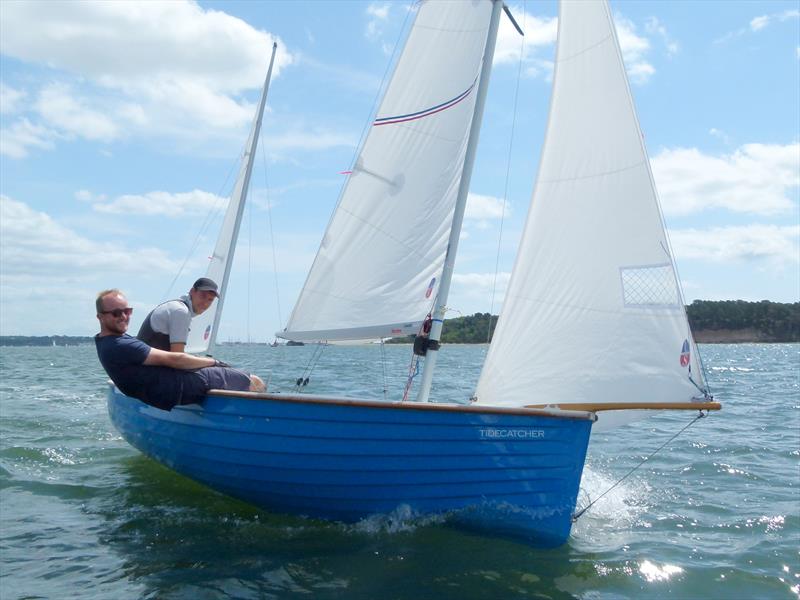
770, 321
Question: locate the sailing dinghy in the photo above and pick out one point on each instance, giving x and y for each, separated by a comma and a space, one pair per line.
594, 283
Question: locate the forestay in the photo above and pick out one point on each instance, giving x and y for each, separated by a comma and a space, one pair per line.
378, 268
593, 311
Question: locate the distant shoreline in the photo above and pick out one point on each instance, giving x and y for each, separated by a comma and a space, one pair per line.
735, 336
703, 336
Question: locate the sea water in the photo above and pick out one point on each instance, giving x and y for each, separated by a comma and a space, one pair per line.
714, 514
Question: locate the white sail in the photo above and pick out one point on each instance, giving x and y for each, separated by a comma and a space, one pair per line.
379, 266
203, 331
594, 312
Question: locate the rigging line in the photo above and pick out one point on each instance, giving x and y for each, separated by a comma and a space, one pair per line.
413, 371
508, 176
249, 263
272, 240
383, 363
312, 363
203, 227
578, 514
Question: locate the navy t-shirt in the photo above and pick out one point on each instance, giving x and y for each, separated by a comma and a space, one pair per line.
122, 356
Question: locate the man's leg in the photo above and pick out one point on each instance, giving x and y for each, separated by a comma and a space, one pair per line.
228, 378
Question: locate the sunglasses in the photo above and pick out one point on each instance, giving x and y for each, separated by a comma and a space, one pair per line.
118, 312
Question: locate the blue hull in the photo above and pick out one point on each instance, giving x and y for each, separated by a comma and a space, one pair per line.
508, 472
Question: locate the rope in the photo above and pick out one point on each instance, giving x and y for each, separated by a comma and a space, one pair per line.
413, 371
508, 175
249, 264
209, 218
383, 364
705, 393
578, 514
272, 241
302, 381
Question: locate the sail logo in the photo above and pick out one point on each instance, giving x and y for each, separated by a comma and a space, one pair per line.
206, 333
429, 291
685, 353
511, 434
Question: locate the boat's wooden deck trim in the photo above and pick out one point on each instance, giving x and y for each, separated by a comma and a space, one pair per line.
598, 406
434, 406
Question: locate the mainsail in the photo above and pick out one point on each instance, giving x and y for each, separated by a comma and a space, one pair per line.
378, 269
594, 311
204, 327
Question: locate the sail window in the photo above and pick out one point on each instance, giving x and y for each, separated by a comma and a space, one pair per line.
649, 286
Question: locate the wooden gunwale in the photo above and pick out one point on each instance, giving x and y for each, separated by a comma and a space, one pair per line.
553, 412
598, 406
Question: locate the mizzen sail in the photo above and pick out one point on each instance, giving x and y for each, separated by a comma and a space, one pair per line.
594, 311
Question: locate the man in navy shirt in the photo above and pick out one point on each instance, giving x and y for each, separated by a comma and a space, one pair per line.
159, 378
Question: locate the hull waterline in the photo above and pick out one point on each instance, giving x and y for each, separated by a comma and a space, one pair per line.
507, 472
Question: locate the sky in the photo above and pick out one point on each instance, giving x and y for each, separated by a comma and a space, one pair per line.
121, 124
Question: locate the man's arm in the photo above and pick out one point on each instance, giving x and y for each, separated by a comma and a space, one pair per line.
177, 360
177, 347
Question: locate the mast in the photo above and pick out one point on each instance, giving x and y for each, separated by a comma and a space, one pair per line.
237, 203
461, 202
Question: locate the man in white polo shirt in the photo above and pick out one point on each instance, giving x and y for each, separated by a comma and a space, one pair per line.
167, 325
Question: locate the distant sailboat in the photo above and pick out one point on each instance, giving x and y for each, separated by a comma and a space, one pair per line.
593, 319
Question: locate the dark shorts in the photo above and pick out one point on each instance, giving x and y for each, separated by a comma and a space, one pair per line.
213, 378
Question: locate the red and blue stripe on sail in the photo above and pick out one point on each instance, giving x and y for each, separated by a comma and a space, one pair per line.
428, 111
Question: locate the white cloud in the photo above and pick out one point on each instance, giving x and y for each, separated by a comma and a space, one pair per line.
482, 281
311, 140
379, 11
473, 292
379, 14
156, 203
719, 134
775, 245
68, 114
634, 48
127, 43
756, 178
654, 27
481, 207
543, 32
87, 196
539, 33
759, 23
50, 273
16, 141
35, 246
10, 99
163, 66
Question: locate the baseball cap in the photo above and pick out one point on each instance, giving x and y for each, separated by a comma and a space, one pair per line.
204, 284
